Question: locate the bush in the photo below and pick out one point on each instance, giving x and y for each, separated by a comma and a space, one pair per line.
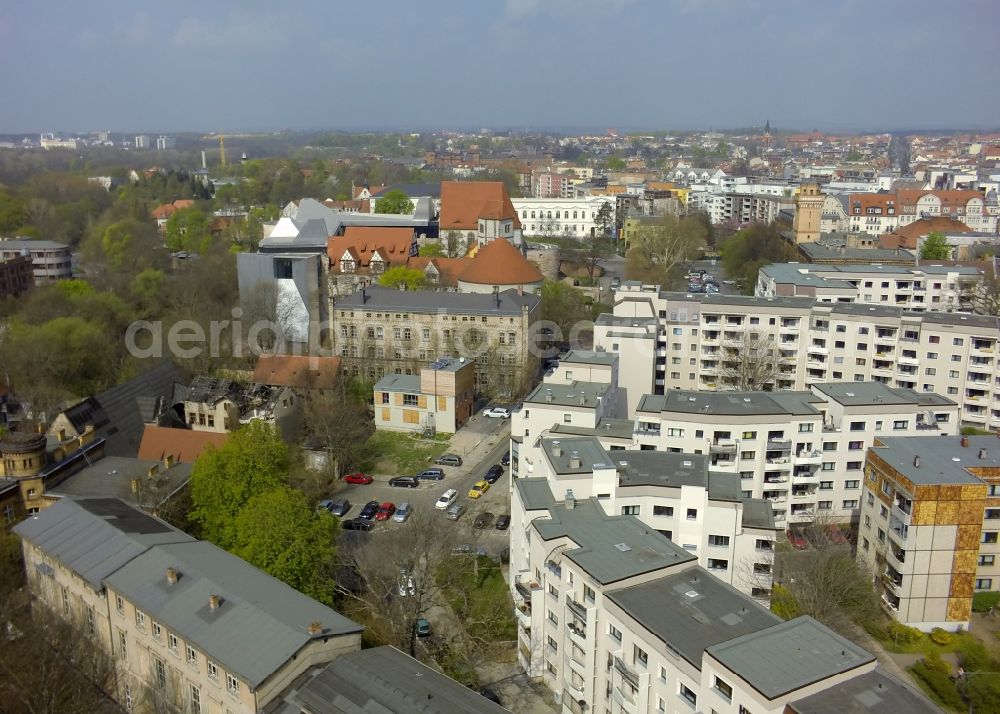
903, 635
974, 656
942, 687
940, 637
783, 604
934, 662
982, 602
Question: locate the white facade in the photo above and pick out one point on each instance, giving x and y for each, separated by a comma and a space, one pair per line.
570, 217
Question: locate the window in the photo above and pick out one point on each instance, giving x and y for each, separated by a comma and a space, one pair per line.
855, 445
989, 537
748, 454
553, 645
829, 446
851, 503
829, 465
615, 633
692, 514
213, 670
663, 510
764, 544
688, 694
154, 627
588, 593
718, 564
172, 642
900, 424
119, 605
232, 684
958, 342
192, 656
159, 673
123, 644
719, 540
992, 513
675, 432
639, 656
140, 619
824, 505
411, 400
630, 510
826, 485
851, 484
987, 559
857, 426
749, 434
984, 583
91, 621
805, 428
553, 618
195, 699
128, 698
724, 689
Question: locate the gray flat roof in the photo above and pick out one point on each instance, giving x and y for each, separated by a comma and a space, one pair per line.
822, 274
380, 298
606, 427
607, 318
789, 656
260, 624
29, 244
574, 394
535, 493
875, 691
111, 477
587, 449
386, 681
758, 513
731, 403
398, 383
665, 468
870, 393
611, 548
589, 357
692, 610
94, 537
943, 459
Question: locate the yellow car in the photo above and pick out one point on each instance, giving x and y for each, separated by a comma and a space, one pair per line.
479, 489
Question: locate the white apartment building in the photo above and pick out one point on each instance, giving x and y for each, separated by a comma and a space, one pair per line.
698, 335
934, 288
569, 217
740, 206
187, 623
613, 618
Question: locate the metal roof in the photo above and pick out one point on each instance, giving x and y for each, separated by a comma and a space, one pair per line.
574, 394
731, 403
386, 681
589, 451
870, 393
375, 297
692, 610
875, 691
942, 459
112, 476
93, 537
398, 383
789, 656
260, 624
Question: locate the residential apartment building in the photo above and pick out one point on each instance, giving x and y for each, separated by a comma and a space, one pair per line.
16, 276
550, 184
739, 207
50, 261
935, 288
142, 141
562, 217
164, 143
698, 337
613, 617
188, 625
930, 522
440, 399
380, 331
883, 212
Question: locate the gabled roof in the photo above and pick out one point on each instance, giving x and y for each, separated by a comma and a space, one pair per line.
463, 203
448, 268
907, 236
393, 244
185, 445
301, 371
500, 263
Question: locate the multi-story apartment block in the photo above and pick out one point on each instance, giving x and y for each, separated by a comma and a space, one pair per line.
440, 399
934, 288
163, 142
613, 617
188, 625
50, 261
142, 141
562, 217
882, 212
930, 519
738, 206
379, 331
698, 337
550, 184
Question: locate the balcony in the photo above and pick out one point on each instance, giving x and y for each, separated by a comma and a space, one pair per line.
525, 586
895, 586
885, 337
577, 609
722, 446
553, 568
775, 479
779, 444
818, 350
523, 615
800, 496
890, 602
895, 555
577, 633
809, 458
776, 499
789, 327
625, 699
647, 430
626, 673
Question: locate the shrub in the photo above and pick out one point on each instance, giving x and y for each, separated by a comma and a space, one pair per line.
974, 655
783, 604
934, 662
940, 637
982, 602
903, 635
941, 685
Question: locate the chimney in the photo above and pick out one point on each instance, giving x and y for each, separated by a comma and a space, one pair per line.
982, 454
213, 602
570, 500
556, 449
574, 460
172, 575
135, 485
548, 395
583, 400
151, 473
168, 460
315, 628
916, 462
964, 441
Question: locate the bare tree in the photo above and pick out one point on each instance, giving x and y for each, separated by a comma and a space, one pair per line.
985, 297
661, 246
339, 421
752, 363
266, 302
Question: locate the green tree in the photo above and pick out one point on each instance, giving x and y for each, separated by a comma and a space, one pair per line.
431, 250
746, 251
604, 219
401, 276
658, 248
279, 533
562, 304
126, 243
935, 247
253, 461
394, 201
187, 230
615, 163
983, 692
146, 287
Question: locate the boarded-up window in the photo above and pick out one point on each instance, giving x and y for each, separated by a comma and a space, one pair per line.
386, 414
411, 416
422, 401
442, 404
398, 399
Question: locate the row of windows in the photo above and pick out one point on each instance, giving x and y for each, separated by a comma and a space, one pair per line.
558, 216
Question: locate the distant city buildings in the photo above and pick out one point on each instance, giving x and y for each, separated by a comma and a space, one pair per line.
162, 143
142, 141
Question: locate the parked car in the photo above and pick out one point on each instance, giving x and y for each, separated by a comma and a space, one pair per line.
479, 488
446, 499
466, 549
423, 627
448, 460
497, 413
403, 511
455, 511
369, 511
358, 478
494, 473
385, 511
797, 540
710, 289
356, 524
325, 505
836, 535
404, 482
483, 520
503, 522
694, 288
340, 508
506, 459
433, 474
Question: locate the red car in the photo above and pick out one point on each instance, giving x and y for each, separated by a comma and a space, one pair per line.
836, 535
385, 511
358, 478
797, 540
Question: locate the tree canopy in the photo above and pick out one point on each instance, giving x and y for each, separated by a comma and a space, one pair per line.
660, 247
935, 247
394, 201
432, 250
188, 230
401, 276
746, 251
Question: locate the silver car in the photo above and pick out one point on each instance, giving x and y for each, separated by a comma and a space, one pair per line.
455, 511
403, 511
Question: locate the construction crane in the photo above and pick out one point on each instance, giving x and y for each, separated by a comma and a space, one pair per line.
222, 150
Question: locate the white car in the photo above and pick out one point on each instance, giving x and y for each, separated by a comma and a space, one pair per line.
446, 499
497, 413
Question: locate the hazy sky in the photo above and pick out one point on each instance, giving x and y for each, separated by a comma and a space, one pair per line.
249, 65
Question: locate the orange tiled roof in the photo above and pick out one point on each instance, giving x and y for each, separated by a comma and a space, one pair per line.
372, 190
297, 371
183, 203
500, 263
448, 268
393, 244
955, 198
463, 203
164, 211
908, 235
185, 445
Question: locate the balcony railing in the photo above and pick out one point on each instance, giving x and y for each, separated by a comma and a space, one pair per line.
525, 586
576, 608
722, 446
779, 444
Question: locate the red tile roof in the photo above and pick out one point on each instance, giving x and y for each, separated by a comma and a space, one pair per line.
393, 244
951, 199
463, 203
372, 190
301, 371
448, 268
185, 445
500, 263
907, 236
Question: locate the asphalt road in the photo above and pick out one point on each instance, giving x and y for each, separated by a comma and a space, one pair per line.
495, 501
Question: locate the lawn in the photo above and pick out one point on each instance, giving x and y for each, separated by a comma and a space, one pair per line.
398, 454
481, 600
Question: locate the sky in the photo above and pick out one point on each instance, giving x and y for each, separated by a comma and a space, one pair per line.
247, 65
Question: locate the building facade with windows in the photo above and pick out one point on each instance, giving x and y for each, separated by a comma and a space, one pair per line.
187, 624
930, 523
50, 261
567, 217
440, 399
